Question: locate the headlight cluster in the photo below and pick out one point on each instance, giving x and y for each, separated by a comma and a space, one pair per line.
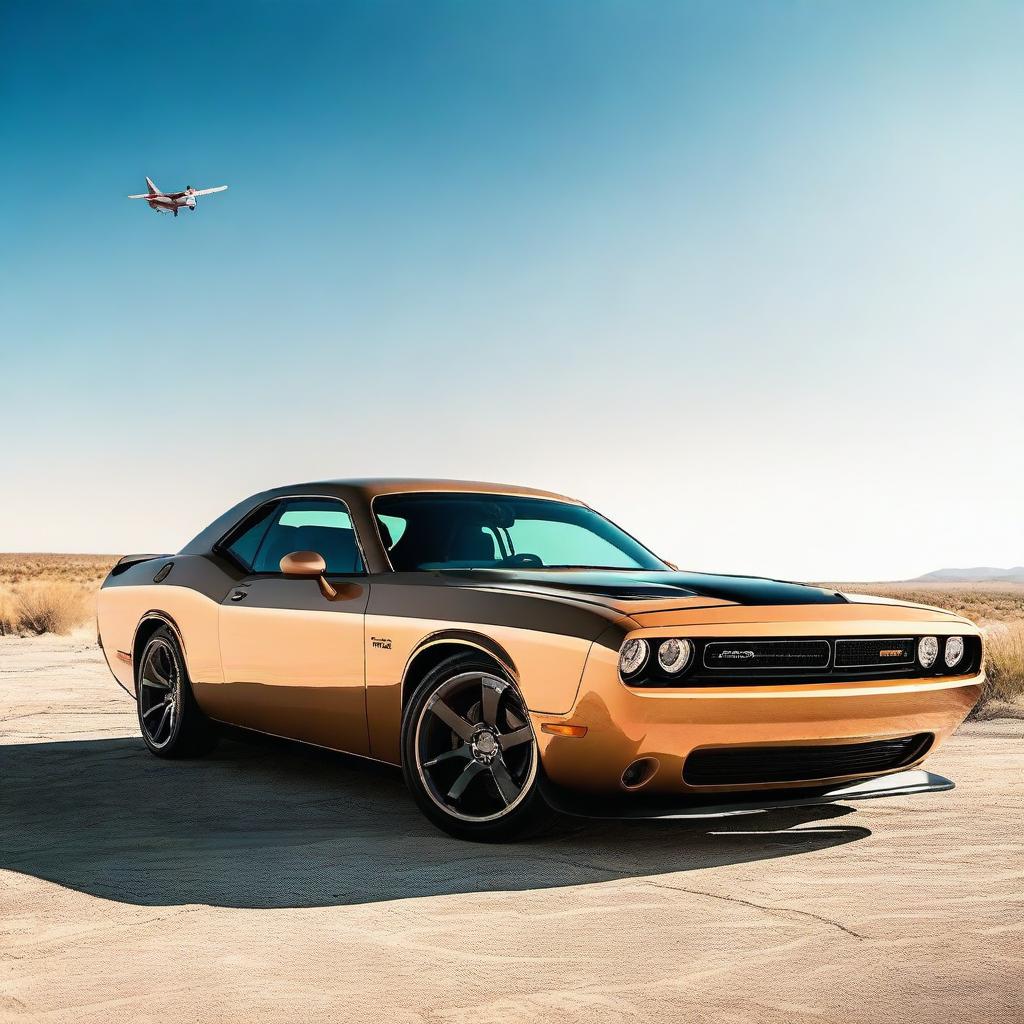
952, 653
927, 651
633, 656
673, 656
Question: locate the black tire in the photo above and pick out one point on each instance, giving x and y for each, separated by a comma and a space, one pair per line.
469, 755
171, 722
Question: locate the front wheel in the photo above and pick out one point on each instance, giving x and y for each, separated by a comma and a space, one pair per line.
469, 754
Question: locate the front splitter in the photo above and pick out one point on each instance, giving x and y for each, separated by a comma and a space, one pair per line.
719, 805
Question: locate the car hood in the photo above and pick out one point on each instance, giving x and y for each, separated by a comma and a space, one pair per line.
615, 586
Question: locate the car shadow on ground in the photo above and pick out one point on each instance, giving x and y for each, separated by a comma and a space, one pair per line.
269, 824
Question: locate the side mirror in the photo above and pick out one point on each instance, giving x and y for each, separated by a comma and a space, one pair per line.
303, 563
312, 564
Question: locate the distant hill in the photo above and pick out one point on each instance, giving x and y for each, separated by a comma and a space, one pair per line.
979, 574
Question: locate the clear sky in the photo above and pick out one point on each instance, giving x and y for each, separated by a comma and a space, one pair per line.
745, 276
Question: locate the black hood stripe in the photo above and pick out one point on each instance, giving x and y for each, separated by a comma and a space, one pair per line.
646, 586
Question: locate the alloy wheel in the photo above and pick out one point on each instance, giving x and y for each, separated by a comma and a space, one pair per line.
475, 751
159, 692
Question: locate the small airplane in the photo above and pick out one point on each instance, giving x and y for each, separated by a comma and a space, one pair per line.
171, 202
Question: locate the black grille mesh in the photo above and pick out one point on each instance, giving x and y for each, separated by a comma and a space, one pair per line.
883, 652
738, 766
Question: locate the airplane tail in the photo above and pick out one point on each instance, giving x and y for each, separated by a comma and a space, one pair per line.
153, 190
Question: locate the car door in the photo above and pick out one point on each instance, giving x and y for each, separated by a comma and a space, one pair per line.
292, 656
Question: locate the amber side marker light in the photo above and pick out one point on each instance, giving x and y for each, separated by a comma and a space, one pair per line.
563, 730
125, 657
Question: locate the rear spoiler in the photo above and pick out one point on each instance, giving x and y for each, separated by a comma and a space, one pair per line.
123, 564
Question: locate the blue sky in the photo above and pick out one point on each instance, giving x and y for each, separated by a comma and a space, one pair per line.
746, 276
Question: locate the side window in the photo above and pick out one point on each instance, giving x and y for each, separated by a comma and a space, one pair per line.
244, 547
312, 524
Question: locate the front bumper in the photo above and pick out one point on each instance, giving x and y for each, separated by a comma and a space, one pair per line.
666, 725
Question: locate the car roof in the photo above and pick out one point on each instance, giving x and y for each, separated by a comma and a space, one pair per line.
372, 486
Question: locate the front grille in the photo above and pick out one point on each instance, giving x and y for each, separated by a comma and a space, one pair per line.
747, 766
774, 661
753, 654
883, 652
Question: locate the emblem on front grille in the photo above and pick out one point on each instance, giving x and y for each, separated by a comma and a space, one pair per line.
897, 653
736, 655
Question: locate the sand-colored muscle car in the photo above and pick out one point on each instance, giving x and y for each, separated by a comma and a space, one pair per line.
519, 655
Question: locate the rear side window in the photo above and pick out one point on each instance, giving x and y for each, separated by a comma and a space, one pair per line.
312, 524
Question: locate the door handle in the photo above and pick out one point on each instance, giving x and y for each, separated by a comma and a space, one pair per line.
237, 595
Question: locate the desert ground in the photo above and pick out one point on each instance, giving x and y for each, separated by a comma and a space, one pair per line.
273, 882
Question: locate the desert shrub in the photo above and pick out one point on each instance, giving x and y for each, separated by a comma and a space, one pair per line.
44, 606
1004, 659
41, 593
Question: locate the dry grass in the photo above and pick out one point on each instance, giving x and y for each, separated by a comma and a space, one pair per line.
1004, 660
49, 593
25, 568
984, 603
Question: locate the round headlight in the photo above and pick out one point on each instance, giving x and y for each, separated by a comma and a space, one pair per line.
927, 651
633, 656
674, 655
954, 651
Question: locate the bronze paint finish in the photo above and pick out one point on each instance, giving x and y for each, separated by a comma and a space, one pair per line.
329, 659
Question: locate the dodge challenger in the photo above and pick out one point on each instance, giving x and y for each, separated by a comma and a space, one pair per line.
521, 656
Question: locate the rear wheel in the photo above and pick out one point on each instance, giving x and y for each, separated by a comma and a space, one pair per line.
171, 722
469, 754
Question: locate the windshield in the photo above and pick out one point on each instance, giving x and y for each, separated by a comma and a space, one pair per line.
488, 531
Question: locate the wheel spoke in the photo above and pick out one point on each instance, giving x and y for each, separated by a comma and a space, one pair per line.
161, 667
492, 691
160, 725
506, 787
155, 707
466, 776
513, 719
514, 739
152, 684
462, 753
454, 721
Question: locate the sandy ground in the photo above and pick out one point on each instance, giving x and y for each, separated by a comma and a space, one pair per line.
271, 882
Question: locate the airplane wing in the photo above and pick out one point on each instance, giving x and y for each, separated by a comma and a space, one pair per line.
146, 195
209, 191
